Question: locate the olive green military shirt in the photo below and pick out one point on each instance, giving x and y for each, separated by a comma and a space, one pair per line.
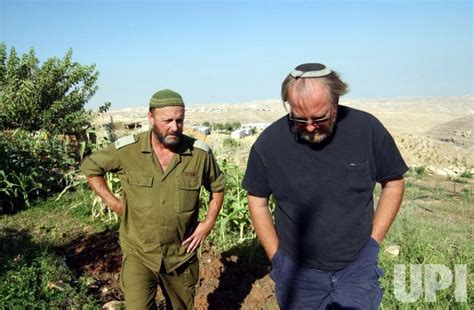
160, 207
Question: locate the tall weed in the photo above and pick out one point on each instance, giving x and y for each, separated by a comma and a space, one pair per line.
233, 225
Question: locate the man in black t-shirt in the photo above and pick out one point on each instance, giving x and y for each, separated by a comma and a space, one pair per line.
321, 163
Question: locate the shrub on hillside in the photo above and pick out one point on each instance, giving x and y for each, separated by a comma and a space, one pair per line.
32, 165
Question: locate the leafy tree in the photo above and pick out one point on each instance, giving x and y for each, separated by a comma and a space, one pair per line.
228, 126
51, 96
217, 126
206, 124
236, 125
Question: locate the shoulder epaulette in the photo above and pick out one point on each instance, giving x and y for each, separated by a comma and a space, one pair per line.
121, 142
202, 145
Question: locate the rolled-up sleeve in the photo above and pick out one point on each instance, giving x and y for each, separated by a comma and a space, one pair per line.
102, 161
214, 178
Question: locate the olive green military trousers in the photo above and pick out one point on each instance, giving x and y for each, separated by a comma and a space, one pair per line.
139, 284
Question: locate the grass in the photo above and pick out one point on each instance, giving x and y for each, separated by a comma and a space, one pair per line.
29, 265
434, 226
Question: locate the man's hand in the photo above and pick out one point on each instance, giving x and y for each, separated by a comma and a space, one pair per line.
204, 228
199, 234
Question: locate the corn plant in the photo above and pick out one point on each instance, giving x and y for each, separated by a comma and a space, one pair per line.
32, 165
72, 180
19, 187
233, 224
235, 213
99, 209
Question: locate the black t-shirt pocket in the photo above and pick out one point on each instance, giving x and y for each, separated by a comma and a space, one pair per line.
358, 177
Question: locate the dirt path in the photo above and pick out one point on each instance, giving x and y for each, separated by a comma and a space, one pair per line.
224, 282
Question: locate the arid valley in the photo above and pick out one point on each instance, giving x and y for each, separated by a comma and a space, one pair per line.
436, 133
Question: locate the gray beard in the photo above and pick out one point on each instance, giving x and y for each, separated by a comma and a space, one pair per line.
317, 137
167, 141
313, 137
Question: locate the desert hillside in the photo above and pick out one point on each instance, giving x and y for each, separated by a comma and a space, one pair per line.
437, 133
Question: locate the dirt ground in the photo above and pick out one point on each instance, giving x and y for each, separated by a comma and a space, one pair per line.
224, 282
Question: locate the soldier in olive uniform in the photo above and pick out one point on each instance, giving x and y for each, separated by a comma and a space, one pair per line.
161, 173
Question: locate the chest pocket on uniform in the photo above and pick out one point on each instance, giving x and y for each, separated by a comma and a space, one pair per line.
358, 177
189, 187
140, 188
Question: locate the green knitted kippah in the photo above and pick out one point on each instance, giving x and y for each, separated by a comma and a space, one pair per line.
166, 98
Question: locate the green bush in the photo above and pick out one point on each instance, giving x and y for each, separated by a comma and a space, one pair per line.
227, 127
420, 170
230, 143
467, 174
33, 165
31, 96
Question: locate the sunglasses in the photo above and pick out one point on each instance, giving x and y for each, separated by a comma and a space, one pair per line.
305, 122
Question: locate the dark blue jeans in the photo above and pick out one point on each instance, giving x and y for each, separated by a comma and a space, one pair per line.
354, 287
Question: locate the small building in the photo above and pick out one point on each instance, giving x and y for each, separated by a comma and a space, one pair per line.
237, 134
202, 129
258, 126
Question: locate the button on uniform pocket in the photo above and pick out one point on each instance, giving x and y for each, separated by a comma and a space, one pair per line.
189, 188
358, 177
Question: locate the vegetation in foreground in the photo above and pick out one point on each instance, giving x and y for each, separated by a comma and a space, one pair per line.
33, 272
433, 227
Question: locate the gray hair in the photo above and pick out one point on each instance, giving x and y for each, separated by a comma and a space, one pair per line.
336, 86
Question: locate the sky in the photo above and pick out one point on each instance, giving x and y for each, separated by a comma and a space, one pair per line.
239, 51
